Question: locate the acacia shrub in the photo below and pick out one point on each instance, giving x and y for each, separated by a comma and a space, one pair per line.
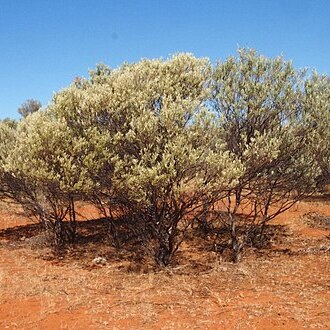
158, 167
164, 141
317, 112
262, 116
28, 107
45, 173
7, 140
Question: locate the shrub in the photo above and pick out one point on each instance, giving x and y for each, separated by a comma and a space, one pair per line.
7, 141
47, 173
162, 142
159, 168
262, 114
317, 109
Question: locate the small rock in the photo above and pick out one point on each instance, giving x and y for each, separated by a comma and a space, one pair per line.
99, 261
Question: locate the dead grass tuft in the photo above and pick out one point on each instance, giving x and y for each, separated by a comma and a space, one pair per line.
316, 220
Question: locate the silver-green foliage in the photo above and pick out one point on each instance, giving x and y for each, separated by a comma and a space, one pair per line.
165, 140
7, 141
317, 108
49, 168
261, 106
158, 163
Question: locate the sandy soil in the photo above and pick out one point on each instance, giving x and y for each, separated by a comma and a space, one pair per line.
284, 286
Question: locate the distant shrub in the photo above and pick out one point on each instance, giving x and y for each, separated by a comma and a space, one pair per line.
28, 107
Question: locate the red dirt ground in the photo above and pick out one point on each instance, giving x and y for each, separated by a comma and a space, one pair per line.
285, 286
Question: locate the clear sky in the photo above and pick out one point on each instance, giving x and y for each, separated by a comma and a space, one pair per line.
45, 44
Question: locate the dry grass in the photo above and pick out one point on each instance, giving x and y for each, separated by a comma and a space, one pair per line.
285, 285
316, 220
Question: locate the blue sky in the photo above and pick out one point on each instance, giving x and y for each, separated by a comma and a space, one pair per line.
45, 44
